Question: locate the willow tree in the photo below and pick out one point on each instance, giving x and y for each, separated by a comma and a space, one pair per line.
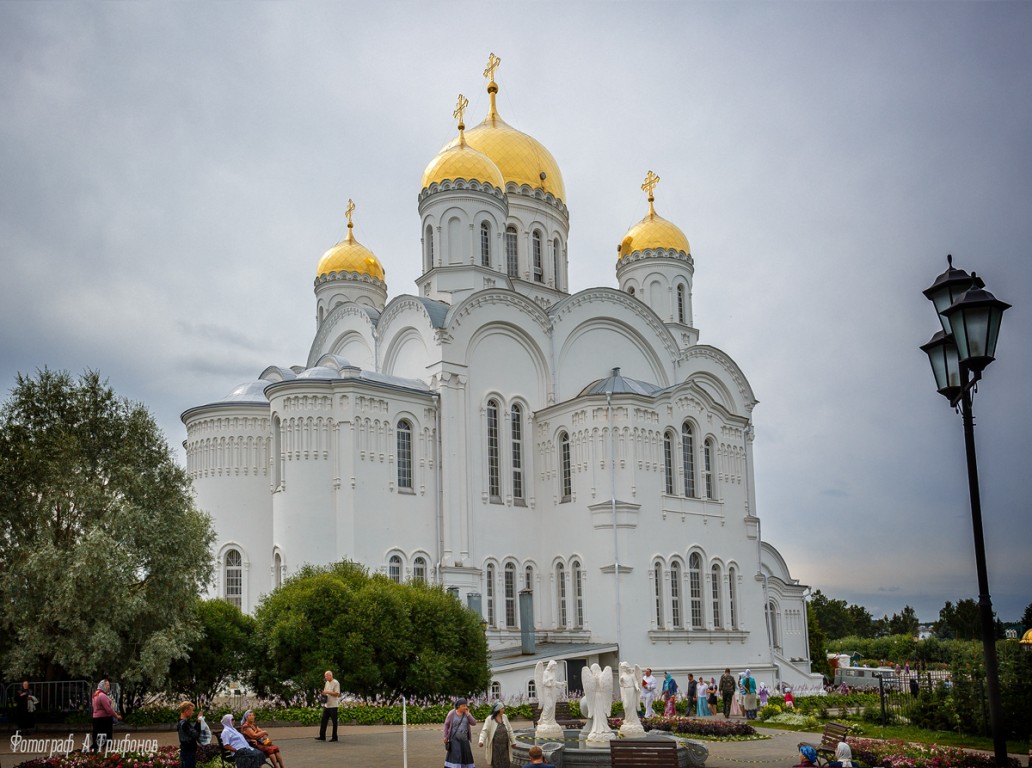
102, 551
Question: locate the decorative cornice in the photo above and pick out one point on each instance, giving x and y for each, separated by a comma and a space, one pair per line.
356, 277
498, 296
454, 185
655, 253
567, 305
730, 366
538, 194
348, 308
399, 305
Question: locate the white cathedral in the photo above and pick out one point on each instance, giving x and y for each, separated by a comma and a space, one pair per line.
575, 467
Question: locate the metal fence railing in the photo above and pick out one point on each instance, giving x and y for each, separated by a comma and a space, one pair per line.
899, 697
52, 696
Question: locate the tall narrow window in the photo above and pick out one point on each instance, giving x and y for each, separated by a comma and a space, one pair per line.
429, 241
732, 607
688, 458
680, 304
512, 264
578, 593
560, 596
405, 454
657, 580
485, 244
234, 578
565, 469
707, 470
695, 584
489, 594
419, 569
528, 578
277, 570
510, 595
675, 595
715, 577
668, 462
539, 261
557, 258
394, 568
493, 472
516, 424
772, 618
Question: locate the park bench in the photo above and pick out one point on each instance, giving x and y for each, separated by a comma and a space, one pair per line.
229, 757
562, 715
643, 753
832, 735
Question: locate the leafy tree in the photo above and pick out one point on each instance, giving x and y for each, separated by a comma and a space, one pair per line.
861, 622
832, 615
223, 651
960, 622
102, 551
905, 623
379, 637
818, 644
1026, 617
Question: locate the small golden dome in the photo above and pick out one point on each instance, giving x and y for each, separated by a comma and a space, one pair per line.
461, 161
1026, 639
653, 231
519, 158
349, 255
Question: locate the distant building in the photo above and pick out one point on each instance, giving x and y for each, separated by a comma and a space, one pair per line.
497, 435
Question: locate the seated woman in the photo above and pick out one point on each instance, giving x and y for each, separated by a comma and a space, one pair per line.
843, 756
807, 755
259, 739
246, 755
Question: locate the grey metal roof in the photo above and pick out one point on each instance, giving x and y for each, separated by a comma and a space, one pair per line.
620, 385
437, 310
249, 392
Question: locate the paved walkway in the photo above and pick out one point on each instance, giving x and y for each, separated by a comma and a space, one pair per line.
383, 746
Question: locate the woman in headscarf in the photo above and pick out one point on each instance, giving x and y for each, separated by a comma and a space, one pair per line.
259, 739
498, 736
457, 728
669, 695
843, 756
104, 717
702, 700
246, 755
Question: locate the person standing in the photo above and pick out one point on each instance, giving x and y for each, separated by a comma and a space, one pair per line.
693, 692
727, 691
25, 704
331, 700
749, 700
648, 692
189, 734
457, 728
104, 717
669, 696
497, 735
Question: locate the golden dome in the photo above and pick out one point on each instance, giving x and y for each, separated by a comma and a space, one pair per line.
520, 158
1026, 639
653, 231
349, 255
461, 161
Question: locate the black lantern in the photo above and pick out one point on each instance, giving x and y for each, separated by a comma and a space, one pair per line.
942, 353
947, 288
975, 320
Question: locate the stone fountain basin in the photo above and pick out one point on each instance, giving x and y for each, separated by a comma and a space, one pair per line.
572, 750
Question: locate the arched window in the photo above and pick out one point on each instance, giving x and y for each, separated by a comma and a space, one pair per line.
405, 454
539, 262
680, 304
560, 595
578, 593
419, 569
715, 577
688, 458
516, 424
394, 569
429, 244
531, 689
512, 264
557, 258
496, 690
668, 462
565, 468
234, 578
707, 470
277, 570
732, 607
630, 290
485, 244
675, 595
695, 584
657, 580
493, 472
772, 619
489, 593
510, 595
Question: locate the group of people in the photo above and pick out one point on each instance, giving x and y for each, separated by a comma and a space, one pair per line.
735, 697
250, 743
843, 756
496, 739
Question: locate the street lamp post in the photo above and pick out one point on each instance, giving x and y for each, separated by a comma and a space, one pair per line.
970, 318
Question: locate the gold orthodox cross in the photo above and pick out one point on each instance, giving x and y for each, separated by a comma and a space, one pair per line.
460, 109
349, 211
492, 64
651, 180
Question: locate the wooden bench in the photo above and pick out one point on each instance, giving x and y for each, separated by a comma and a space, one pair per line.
562, 715
830, 738
643, 753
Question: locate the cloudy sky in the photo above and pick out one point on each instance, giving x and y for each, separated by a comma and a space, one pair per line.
170, 175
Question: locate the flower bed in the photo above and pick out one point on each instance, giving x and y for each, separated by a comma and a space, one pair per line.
700, 726
165, 757
900, 754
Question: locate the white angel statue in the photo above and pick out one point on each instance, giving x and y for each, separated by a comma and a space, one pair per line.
547, 687
630, 695
598, 690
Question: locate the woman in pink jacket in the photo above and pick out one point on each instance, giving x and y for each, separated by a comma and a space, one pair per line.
104, 717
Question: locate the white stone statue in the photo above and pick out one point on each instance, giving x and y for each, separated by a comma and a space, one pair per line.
547, 687
630, 695
598, 690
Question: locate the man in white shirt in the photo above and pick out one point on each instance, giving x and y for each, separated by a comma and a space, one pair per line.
648, 692
331, 690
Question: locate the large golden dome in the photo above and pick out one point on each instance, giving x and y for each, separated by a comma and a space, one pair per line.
349, 255
653, 231
520, 158
461, 161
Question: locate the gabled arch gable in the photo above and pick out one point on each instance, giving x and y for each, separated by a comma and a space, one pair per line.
715, 368
342, 322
